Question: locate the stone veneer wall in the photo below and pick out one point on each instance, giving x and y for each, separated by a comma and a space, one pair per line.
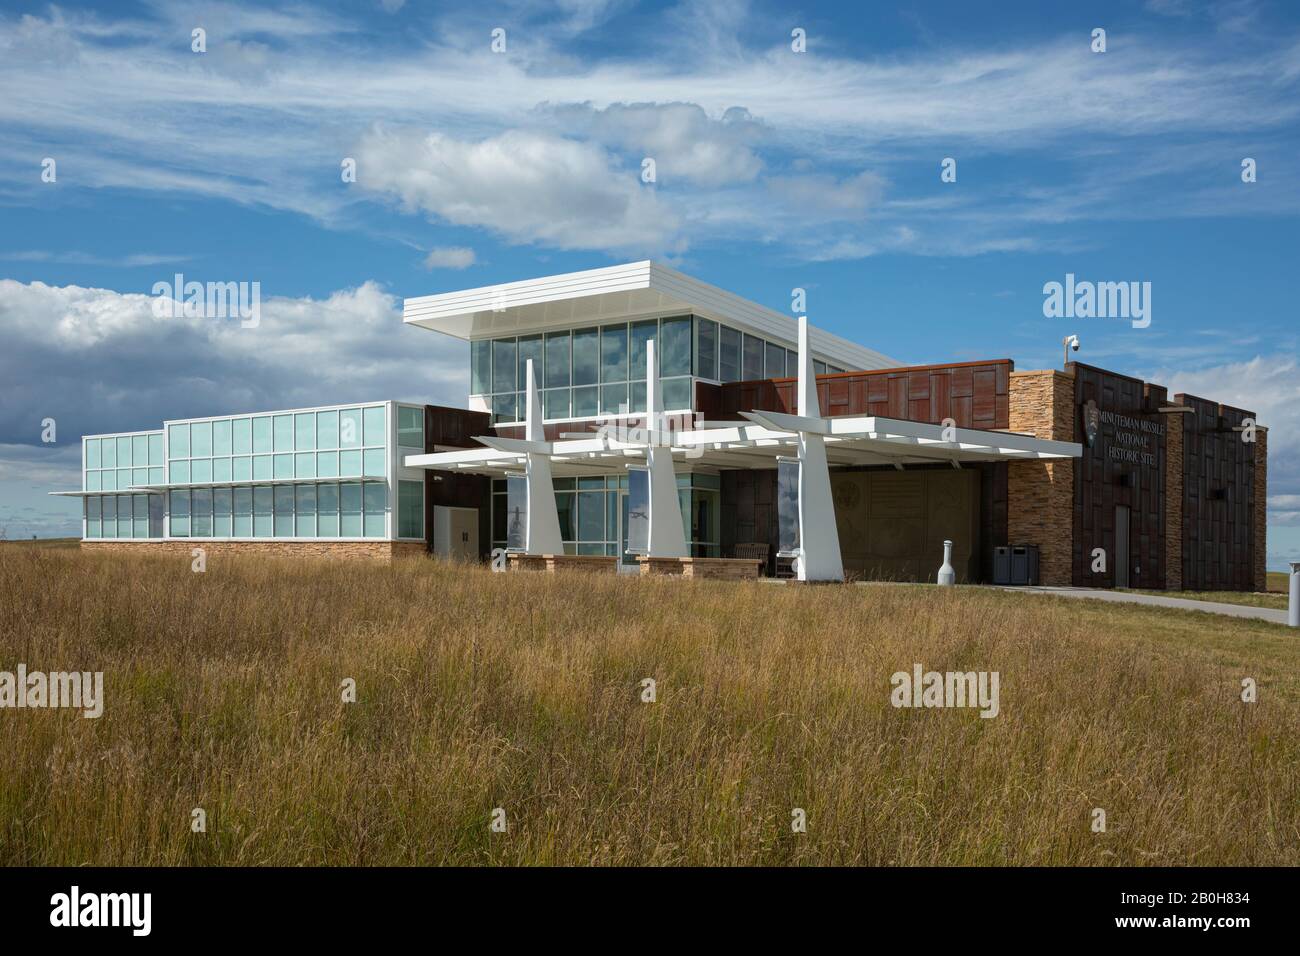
374, 550
1040, 495
1174, 501
1261, 509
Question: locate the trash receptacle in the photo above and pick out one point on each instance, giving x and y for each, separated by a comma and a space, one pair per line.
1024, 564
1002, 565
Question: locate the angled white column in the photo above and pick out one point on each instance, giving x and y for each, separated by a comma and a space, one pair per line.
667, 539
543, 519
819, 539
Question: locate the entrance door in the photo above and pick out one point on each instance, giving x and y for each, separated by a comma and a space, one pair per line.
627, 563
1121, 546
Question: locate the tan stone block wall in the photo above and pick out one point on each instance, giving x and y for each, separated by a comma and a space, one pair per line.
372, 550
1040, 495
1174, 502
1261, 509
728, 569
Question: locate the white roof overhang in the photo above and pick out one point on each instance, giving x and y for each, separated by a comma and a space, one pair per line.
612, 293
849, 441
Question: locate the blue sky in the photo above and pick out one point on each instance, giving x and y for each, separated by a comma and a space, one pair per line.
775, 169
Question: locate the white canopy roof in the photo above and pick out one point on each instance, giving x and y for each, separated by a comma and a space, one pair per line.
757, 444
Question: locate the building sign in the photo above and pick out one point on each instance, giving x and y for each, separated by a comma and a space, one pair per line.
638, 511
516, 513
1091, 421
1134, 441
787, 506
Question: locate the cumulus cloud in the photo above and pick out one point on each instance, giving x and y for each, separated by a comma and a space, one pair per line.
529, 187
450, 257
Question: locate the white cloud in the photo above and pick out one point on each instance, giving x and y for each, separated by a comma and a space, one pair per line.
450, 257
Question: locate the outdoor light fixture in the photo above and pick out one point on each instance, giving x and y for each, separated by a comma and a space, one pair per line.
1071, 343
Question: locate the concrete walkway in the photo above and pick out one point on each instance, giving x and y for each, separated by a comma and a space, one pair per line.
1152, 600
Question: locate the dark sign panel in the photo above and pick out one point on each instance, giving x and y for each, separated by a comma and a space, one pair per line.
516, 513
787, 506
638, 511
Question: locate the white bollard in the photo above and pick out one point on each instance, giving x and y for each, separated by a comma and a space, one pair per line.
1293, 607
947, 576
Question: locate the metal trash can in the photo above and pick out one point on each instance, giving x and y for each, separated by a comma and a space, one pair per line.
1024, 564
1002, 565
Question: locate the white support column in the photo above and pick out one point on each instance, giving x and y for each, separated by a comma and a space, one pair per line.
543, 519
667, 539
819, 538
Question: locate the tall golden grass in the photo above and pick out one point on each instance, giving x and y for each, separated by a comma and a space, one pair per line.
522, 691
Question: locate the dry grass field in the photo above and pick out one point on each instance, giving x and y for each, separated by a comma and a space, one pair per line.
522, 691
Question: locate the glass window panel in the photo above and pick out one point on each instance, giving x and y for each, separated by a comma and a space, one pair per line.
374, 426
92, 480
376, 501
728, 355
92, 452
201, 439
241, 436
503, 407
564, 508
263, 515
642, 332
774, 366
638, 397
586, 357
124, 516
243, 513
108, 480
92, 506
304, 431
108, 453
327, 429
586, 402
304, 465
201, 470
180, 513
262, 468
350, 510
327, 510
350, 464
555, 403
305, 526
284, 511
124, 452
557, 359
155, 516
221, 437
123, 478
327, 464
706, 348
752, 358
613, 353
201, 513
410, 427
139, 476
503, 365
410, 509
480, 367
613, 399
156, 450
530, 347
262, 434
675, 346
499, 520
140, 512
350, 428
139, 451
819, 367
156, 476
221, 469
677, 393
221, 512
284, 433
242, 469
180, 472
375, 460
108, 528
283, 466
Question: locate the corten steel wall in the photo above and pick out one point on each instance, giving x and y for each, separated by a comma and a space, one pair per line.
1174, 501
1040, 494
1220, 476
1104, 481
457, 428
972, 394
1260, 577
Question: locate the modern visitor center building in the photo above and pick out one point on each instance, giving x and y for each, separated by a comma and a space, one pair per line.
632, 417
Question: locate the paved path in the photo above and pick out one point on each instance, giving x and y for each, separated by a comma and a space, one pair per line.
1183, 604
